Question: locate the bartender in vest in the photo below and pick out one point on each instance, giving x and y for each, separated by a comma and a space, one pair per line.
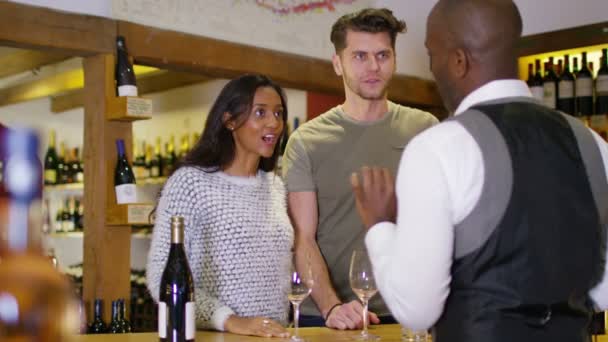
499, 232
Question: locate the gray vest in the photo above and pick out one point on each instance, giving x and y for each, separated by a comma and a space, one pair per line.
527, 255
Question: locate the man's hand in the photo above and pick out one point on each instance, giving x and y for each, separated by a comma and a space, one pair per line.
374, 190
349, 316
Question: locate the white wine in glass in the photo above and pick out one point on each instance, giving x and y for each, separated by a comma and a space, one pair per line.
364, 286
300, 287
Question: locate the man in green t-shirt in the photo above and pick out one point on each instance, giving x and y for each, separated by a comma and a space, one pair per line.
366, 129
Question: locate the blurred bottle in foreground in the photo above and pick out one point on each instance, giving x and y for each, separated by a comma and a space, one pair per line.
45, 309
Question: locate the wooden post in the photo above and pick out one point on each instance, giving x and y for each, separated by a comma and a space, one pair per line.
106, 265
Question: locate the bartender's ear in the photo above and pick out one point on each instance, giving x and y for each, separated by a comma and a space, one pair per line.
228, 122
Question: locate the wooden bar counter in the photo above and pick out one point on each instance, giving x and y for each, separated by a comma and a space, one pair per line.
387, 333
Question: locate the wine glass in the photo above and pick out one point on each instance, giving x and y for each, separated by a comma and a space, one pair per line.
364, 286
300, 287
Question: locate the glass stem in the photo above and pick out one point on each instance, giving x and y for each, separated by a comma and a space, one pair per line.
296, 318
365, 318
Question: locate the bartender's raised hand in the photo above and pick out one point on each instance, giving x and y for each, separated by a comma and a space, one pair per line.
374, 189
348, 316
255, 326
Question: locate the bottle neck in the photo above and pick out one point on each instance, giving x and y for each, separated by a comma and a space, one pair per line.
98, 309
177, 235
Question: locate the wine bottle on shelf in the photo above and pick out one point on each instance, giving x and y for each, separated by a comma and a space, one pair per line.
139, 164
124, 180
125, 77
77, 172
560, 68
61, 176
536, 85
75, 216
584, 89
601, 89
97, 326
159, 157
170, 156
66, 219
50, 161
176, 300
550, 94
152, 163
58, 228
122, 315
115, 325
565, 101
184, 147
80, 224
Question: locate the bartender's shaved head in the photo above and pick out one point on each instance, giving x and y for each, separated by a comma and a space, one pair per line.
470, 43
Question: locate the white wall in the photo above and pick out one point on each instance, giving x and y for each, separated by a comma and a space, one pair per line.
308, 34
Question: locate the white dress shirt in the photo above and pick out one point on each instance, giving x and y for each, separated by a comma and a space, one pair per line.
439, 182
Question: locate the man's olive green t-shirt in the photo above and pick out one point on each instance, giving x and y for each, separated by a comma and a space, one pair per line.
320, 157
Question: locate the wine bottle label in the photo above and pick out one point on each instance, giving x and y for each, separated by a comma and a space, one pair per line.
162, 320
67, 226
549, 95
584, 87
190, 324
602, 85
127, 90
50, 176
126, 193
154, 171
537, 93
566, 89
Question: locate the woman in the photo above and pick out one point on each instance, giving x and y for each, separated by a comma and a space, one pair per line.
238, 237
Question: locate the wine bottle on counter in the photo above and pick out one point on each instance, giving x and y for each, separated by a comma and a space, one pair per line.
50, 161
185, 147
584, 89
152, 163
124, 180
550, 85
565, 101
122, 315
115, 325
159, 158
176, 300
536, 84
125, 77
97, 326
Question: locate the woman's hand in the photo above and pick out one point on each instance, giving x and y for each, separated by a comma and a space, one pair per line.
254, 326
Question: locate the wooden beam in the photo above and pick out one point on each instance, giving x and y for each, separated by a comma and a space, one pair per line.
106, 263
571, 38
47, 86
179, 51
150, 83
26, 60
41, 28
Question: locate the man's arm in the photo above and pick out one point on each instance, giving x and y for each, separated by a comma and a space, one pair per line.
412, 257
303, 211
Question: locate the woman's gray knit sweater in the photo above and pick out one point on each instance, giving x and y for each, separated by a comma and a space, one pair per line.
238, 240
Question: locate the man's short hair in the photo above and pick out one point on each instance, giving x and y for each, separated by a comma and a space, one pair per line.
372, 20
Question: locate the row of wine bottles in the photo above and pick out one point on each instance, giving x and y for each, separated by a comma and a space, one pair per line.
150, 162
69, 216
64, 167
119, 324
574, 91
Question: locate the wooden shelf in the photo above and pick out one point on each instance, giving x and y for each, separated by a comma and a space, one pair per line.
128, 108
61, 187
129, 214
80, 235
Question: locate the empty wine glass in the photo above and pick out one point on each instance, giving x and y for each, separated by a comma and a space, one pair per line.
300, 287
364, 286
